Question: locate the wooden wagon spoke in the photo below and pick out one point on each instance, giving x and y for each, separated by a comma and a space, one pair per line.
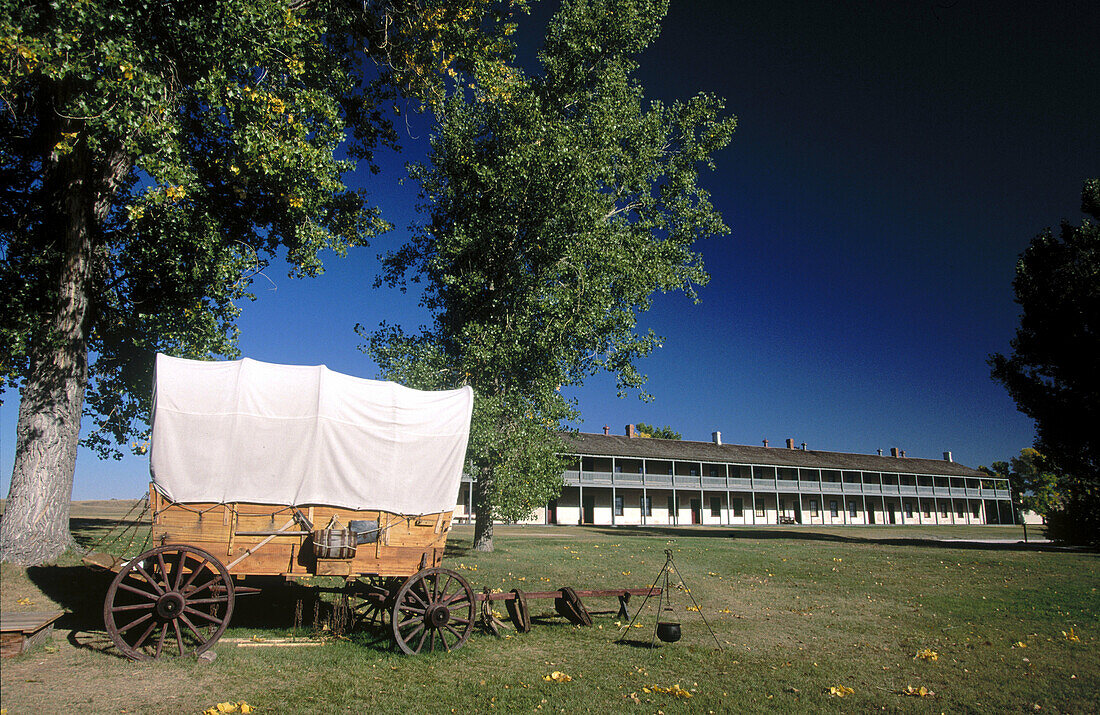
194, 574
199, 589
139, 641
420, 643
207, 601
160, 640
408, 608
181, 568
454, 599
187, 622
134, 607
163, 567
207, 616
138, 591
418, 598
179, 635
136, 621
149, 579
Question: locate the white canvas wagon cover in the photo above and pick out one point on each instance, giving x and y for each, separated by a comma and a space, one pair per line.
249, 431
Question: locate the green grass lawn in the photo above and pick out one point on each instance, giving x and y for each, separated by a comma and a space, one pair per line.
797, 611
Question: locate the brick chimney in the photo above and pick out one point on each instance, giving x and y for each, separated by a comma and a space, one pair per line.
947, 457
606, 430
790, 443
631, 432
716, 437
903, 453
765, 443
880, 452
803, 446
893, 451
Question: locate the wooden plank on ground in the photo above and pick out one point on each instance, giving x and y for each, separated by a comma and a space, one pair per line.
19, 632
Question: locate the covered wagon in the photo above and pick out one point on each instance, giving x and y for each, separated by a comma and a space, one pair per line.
275, 470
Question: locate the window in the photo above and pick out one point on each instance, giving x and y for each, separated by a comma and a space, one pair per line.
714, 471
715, 506
759, 508
977, 511
960, 511
927, 512
909, 509
738, 507
943, 511
813, 507
647, 506
618, 505
851, 508
834, 508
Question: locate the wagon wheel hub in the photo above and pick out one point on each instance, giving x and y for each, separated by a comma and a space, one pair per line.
170, 605
438, 616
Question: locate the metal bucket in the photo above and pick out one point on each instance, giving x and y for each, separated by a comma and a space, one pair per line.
334, 543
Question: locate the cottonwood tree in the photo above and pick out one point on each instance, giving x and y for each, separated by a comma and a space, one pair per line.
153, 158
1034, 486
557, 202
655, 432
1052, 371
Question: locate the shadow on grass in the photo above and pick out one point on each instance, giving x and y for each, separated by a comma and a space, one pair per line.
81, 591
799, 534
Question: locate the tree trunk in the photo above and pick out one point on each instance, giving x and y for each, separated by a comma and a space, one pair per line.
483, 508
35, 525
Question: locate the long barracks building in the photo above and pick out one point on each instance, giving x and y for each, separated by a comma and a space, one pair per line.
631, 480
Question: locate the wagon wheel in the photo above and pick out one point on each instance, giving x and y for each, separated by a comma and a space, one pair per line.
433, 608
517, 609
375, 602
171, 601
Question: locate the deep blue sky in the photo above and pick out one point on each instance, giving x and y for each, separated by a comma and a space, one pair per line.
891, 162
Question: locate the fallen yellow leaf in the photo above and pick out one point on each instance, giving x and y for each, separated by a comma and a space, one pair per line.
840, 690
921, 692
927, 654
558, 677
1071, 636
674, 690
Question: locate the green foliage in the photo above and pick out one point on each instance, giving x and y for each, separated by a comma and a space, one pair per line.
189, 143
665, 432
558, 203
1034, 486
1051, 373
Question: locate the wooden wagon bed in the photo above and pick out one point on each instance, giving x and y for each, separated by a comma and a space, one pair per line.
267, 540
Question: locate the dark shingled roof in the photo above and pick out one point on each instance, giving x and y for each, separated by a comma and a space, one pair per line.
599, 445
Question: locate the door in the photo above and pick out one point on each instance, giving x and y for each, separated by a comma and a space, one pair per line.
589, 509
893, 516
696, 511
552, 512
